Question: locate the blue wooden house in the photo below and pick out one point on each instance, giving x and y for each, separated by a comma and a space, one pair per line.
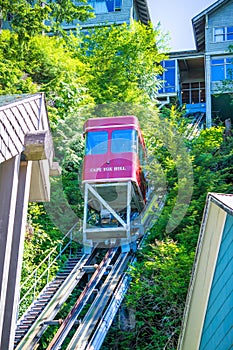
108, 12
197, 78
208, 316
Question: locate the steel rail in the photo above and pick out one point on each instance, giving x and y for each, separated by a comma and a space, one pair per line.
95, 312
117, 297
108, 317
71, 318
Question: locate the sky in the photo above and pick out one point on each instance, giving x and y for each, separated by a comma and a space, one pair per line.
175, 17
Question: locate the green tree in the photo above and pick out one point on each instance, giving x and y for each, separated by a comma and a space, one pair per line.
123, 62
44, 65
29, 17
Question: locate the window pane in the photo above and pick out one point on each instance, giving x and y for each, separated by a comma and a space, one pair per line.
170, 63
97, 142
218, 31
229, 33
185, 97
202, 92
229, 71
185, 86
219, 34
195, 96
142, 155
217, 61
110, 5
170, 77
118, 4
123, 141
217, 73
100, 6
195, 85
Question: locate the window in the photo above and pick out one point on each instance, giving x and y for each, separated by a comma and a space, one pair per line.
142, 155
193, 92
97, 142
229, 33
124, 141
221, 69
105, 6
168, 77
223, 34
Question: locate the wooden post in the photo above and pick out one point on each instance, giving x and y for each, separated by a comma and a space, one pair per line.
15, 179
9, 171
227, 132
13, 285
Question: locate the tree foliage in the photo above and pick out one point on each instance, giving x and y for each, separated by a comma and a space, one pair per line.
29, 18
123, 62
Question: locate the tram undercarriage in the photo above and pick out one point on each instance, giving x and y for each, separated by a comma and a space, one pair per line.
109, 213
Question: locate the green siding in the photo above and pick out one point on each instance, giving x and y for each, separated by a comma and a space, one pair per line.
218, 326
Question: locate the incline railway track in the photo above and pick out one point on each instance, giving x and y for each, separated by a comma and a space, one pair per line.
102, 285
103, 281
92, 330
87, 292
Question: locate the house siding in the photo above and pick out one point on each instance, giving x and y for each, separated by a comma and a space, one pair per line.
217, 330
222, 17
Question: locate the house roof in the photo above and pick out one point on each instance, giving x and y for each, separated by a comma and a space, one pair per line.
198, 23
22, 116
143, 11
225, 201
217, 208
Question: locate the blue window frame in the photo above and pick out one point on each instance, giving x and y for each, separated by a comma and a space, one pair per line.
223, 34
168, 77
96, 142
221, 69
124, 141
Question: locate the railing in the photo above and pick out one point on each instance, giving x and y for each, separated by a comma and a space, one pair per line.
35, 274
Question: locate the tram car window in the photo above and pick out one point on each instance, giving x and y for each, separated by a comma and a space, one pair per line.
97, 142
124, 141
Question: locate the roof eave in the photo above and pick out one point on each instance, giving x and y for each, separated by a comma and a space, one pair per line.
143, 11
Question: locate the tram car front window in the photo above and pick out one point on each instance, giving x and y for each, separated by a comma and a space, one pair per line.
96, 142
124, 141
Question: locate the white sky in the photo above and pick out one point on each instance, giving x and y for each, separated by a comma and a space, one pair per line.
175, 18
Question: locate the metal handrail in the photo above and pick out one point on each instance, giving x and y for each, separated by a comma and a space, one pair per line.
34, 273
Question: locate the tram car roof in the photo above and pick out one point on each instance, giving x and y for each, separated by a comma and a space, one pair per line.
111, 122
